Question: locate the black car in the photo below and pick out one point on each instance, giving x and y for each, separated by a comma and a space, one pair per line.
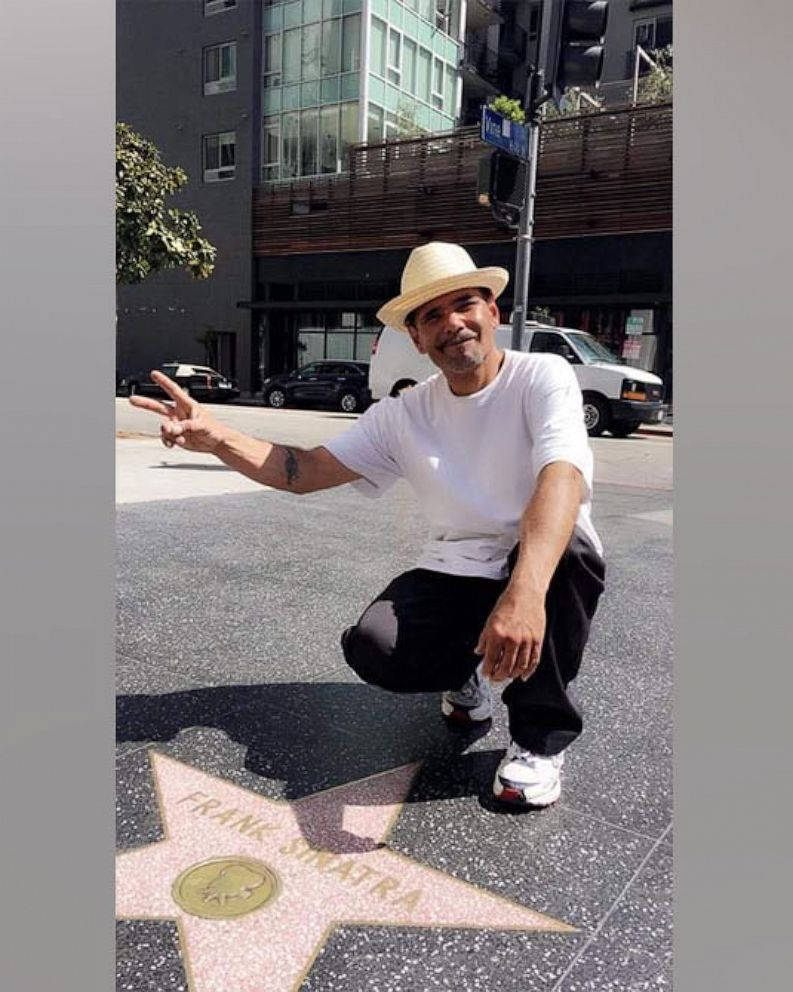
199, 381
340, 384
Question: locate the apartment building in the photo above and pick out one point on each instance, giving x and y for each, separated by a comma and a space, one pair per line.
247, 92
267, 98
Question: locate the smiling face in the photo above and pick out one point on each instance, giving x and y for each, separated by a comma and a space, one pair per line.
457, 332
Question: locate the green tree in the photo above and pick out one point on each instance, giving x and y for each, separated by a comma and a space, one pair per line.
510, 109
656, 86
407, 126
149, 236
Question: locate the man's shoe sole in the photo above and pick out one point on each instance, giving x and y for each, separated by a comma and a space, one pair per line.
515, 795
460, 716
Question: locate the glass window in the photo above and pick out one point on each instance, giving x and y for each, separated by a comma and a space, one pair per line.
329, 139
425, 69
363, 345
289, 145
442, 14
351, 49
309, 122
663, 32
331, 43
644, 34
312, 11
394, 56
378, 39
218, 6
340, 344
437, 84
311, 47
374, 118
409, 65
272, 60
449, 90
219, 156
310, 346
291, 63
293, 14
390, 129
271, 147
546, 341
426, 8
349, 131
331, 8
220, 68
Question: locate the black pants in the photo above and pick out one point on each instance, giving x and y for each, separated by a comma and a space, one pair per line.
420, 633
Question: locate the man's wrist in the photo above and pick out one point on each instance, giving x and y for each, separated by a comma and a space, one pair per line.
225, 438
527, 587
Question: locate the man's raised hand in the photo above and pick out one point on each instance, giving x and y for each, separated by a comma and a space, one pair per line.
186, 423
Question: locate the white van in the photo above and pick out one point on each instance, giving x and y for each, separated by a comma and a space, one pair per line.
617, 397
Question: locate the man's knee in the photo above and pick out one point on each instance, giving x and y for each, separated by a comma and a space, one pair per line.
369, 646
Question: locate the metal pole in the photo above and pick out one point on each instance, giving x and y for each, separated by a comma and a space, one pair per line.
526, 227
640, 54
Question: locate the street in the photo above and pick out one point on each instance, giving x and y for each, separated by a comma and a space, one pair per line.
640, 461
243, 736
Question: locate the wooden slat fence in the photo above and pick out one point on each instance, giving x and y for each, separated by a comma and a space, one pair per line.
604, 173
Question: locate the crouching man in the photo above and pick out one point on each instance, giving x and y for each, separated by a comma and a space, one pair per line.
495, 448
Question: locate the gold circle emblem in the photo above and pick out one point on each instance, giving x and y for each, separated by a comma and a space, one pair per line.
222, 888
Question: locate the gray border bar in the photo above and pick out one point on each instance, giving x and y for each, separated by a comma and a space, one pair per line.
733, 476
56, 611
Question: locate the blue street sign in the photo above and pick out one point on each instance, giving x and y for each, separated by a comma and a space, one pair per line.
509, 136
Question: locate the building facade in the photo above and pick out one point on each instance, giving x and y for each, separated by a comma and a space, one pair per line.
647, 23
279, 110
247, 92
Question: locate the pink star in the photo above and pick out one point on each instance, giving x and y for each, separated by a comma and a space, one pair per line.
327, 854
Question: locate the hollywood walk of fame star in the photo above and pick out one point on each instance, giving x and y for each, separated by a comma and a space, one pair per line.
256, 885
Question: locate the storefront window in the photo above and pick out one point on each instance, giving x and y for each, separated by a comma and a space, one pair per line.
332, 334
363, 345
340, 344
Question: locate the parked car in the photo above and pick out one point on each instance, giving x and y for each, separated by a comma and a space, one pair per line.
341, 384
617, 397
199, 381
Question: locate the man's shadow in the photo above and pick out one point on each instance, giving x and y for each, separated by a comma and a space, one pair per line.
314, 736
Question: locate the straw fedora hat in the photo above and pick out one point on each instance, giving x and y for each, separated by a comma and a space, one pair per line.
432, 270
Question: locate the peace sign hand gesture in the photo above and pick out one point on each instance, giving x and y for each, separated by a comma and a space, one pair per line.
186, 424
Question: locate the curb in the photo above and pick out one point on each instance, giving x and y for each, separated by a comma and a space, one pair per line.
653, 432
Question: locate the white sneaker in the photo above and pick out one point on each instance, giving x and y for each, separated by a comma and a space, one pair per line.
470, 704
527, 779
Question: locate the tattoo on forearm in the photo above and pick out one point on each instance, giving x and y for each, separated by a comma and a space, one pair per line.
291, 466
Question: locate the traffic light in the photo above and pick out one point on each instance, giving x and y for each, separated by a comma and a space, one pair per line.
571, 46
507, 183
507, 180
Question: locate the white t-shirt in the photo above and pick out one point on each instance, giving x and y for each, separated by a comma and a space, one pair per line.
473, 461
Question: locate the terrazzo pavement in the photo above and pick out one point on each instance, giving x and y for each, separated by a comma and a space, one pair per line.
229, 614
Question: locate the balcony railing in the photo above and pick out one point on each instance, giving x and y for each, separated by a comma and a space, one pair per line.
603, 173
485, 62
